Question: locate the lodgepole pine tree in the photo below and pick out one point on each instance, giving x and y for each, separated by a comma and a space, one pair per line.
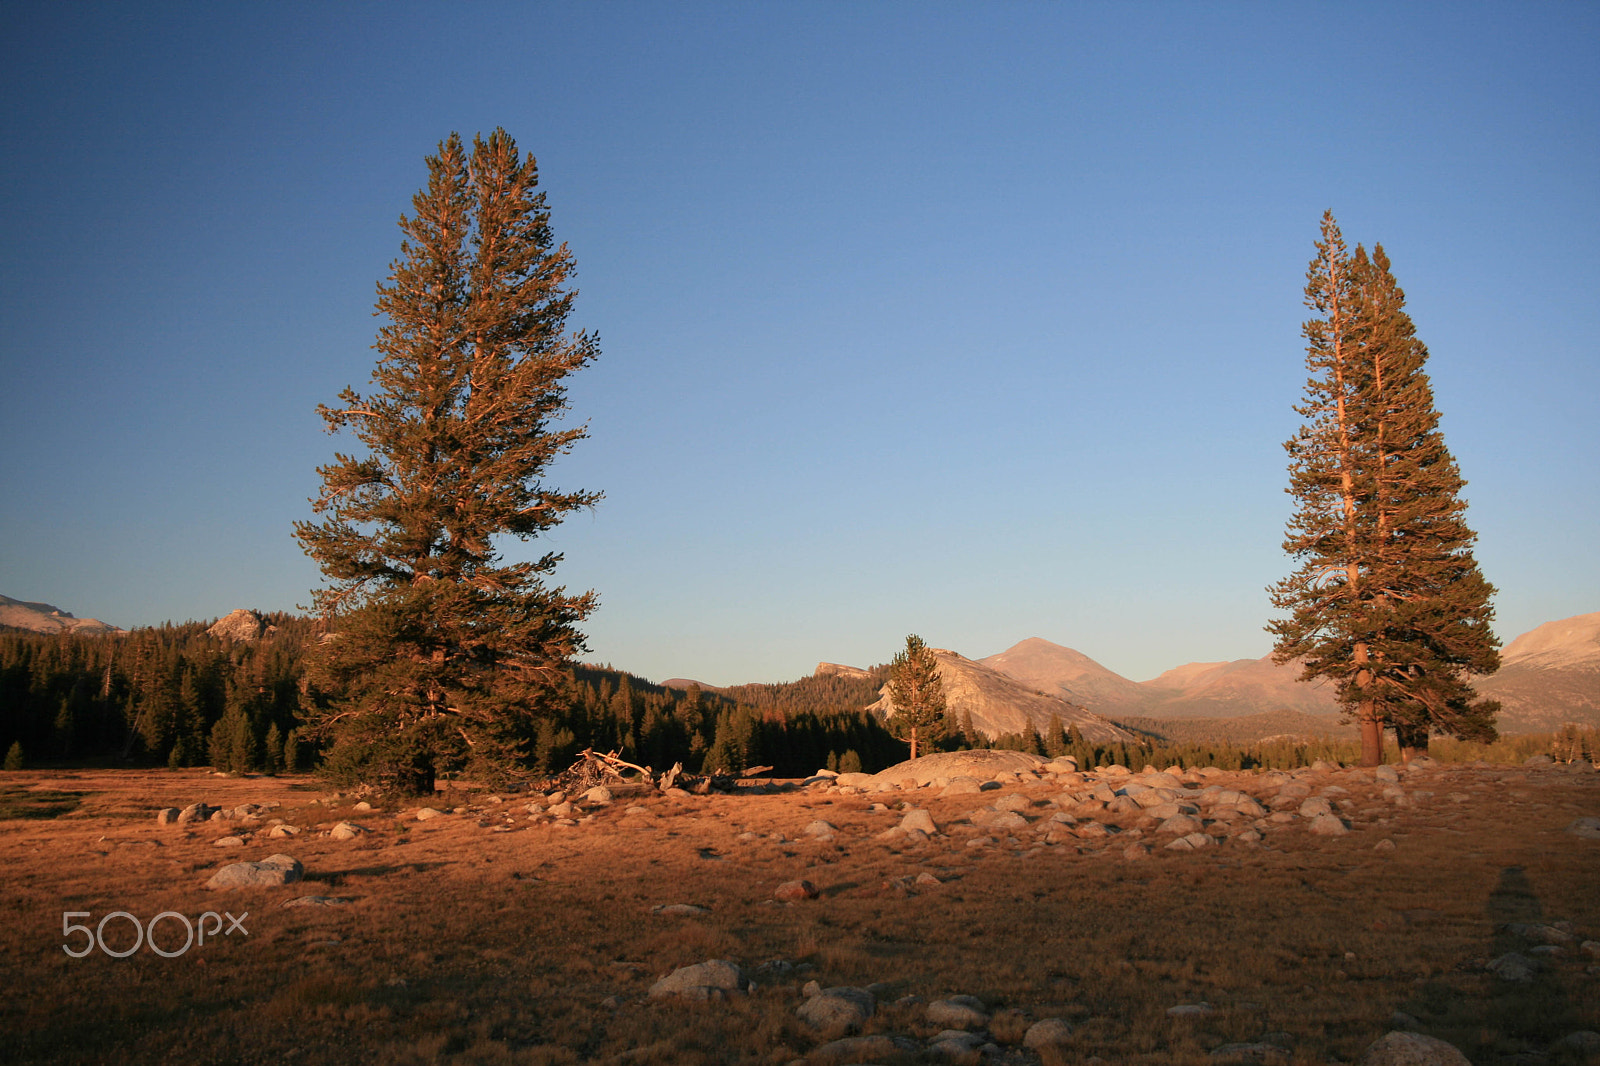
439, 654
1387, 601
917, 693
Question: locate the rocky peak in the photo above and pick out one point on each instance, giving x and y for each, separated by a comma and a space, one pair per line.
240, 626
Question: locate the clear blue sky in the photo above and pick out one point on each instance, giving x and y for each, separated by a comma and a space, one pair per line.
979, 321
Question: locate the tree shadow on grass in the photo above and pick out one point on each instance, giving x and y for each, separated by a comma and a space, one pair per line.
1516, 1002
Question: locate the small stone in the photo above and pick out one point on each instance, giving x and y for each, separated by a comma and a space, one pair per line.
228, 842
1513, 967
1384, 845
704, 980
1584, 1042
363, 806
1586, 828
1135, 851
958, 1012
1313, 806
838, 1009
857, 1049
429, 812
284, 831
1328, 825
347, 831
920, 820
1048, 1032
273, 870
791, 891
598, 796
927, 880
1190, 1010
679, 910
167, 816
1411, 1049
818, 828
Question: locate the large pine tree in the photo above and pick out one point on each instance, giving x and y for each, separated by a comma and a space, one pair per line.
439, 653
1387, 602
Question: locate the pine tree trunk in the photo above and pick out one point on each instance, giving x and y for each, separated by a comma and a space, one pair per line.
1371, 735
1413, 741
913, 742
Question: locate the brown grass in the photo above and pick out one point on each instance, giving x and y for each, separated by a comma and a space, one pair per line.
467, 946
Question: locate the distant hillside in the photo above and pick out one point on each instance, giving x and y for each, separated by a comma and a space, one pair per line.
1000, 704
43, 618
1548, 676
1234, 689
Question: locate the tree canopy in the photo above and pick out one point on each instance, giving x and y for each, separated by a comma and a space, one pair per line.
439, 652
1387, 600
917, 692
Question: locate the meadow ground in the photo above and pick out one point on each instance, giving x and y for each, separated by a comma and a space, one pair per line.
493, 936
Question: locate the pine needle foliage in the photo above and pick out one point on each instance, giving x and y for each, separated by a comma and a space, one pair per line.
1387, 600
440, 654
917, 692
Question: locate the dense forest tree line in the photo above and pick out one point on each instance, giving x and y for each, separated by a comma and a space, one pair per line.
174, 695
169, 694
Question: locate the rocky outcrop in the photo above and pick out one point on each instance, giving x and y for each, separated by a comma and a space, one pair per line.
854, 673
239, 626
999, 704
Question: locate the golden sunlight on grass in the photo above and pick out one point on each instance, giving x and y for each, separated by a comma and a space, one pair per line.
538, 943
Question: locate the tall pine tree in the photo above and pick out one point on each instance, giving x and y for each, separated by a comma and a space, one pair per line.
1387, 601
440, 654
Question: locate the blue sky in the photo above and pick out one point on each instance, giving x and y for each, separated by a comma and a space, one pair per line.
979, 321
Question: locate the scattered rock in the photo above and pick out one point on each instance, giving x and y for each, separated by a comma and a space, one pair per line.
1584, 1042
348, 831
679, 910
1328, 825
962, 786
841, 1009
228, 842
1545, 934
791, 891
958, 1012
957, 1048
1135, 851
167, 816
196, 812
1411, 1049
599, 796
363, 806
273, 870
819, 828
1513, 967
1190, 1010
704, 980
429, 812
1313, 806
1047, 1032
1587, 828
1384, 845
284, 830
858, 1049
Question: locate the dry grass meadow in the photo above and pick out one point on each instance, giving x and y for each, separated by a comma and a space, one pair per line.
464, 944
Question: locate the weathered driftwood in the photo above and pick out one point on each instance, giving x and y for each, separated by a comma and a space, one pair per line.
621, 776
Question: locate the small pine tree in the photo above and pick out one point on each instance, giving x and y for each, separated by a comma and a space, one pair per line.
291, 750
272, 755
917, 694
14, 756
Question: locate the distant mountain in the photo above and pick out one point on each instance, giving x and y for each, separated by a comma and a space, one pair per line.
1233, 689
1001, 704
1072, 675
1549, 676
43, 618
1195, 690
